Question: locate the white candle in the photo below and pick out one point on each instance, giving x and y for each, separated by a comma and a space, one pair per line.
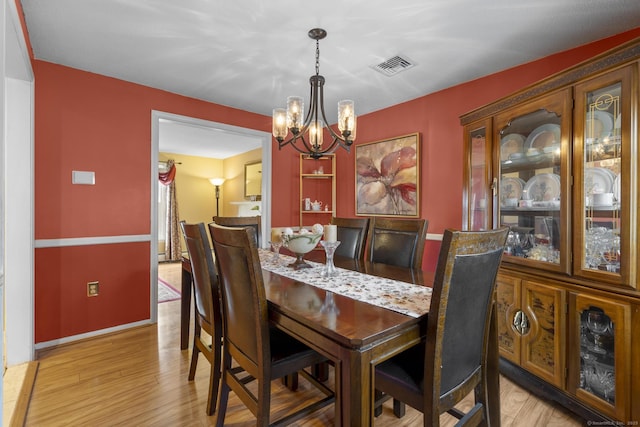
330, 233
276, 235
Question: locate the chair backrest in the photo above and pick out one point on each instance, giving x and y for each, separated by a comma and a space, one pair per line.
461, 307
244, 302
203, 271
352, 233
242, 221
397, 241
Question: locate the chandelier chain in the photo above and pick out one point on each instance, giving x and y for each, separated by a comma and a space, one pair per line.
317, 57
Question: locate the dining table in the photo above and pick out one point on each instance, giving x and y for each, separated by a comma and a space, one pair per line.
365, 314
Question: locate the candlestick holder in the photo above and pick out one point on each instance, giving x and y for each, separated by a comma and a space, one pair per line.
329, 249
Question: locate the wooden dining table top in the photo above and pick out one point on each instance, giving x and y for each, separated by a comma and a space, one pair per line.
355, 323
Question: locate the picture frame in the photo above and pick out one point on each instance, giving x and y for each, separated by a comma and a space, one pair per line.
388, 177
253, 181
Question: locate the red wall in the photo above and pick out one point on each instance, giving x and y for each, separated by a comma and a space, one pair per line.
62, 305
86, 121
89, 122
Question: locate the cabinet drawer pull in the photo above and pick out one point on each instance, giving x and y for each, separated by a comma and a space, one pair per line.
521, 322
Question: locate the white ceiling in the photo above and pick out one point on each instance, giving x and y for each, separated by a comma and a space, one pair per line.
203, 141
252, 54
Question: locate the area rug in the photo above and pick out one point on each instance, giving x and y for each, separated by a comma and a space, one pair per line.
166, 292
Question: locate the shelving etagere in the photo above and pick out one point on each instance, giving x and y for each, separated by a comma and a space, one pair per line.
318, 184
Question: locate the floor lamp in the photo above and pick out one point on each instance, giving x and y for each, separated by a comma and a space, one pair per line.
217, 182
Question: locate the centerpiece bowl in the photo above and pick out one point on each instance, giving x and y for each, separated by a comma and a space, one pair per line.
300, 244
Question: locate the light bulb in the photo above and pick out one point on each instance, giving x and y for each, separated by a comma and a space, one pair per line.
279, 126
316, 133
295, 108
346, 116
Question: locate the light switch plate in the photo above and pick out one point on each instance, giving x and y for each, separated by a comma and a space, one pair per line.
83, 177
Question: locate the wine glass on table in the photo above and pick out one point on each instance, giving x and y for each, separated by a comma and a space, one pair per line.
276, 244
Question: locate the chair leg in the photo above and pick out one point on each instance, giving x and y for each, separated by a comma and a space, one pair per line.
213, 392
378, 407
195, 351
399, 408
263, 396
482, 399
226, 372
214, 380
222, 408
378, 400
321, 371
290, 381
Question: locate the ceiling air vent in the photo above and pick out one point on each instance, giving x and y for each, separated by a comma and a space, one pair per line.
394, 65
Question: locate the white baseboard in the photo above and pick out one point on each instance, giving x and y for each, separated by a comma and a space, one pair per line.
92, 334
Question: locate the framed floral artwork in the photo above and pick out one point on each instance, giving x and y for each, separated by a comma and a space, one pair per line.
388, 177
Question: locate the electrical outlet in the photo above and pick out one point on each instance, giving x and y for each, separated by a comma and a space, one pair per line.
92, 289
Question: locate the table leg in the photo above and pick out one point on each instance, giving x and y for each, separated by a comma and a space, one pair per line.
185, 304
355, 390
357, 377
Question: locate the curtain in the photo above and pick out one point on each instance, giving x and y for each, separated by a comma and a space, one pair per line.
173, 249
167, 177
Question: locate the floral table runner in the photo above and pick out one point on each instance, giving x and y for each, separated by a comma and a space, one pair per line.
406, 298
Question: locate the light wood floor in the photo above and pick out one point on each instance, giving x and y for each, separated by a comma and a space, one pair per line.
139, 377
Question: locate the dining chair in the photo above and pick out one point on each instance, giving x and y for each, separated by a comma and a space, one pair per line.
352, 233
208, 316
259, 350
242, 221
451, 361
397, 241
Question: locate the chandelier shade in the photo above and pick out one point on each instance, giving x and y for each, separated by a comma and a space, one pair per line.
305, 133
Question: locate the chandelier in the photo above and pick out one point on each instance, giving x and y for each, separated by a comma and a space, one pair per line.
308, 136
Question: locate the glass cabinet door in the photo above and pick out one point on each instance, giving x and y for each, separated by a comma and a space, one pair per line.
478, 188
602, 168
534, 183
601, 366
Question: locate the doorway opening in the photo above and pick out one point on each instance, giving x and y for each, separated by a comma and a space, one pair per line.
223, 134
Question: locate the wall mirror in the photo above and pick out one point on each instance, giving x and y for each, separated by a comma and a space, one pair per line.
253, 181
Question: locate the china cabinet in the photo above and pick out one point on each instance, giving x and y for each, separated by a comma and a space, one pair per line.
558, 163
317, 189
